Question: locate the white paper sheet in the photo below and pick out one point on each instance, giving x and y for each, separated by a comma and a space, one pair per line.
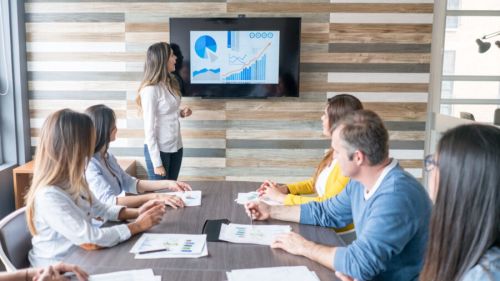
175, 245
129, 275
245, 197
251, 234
289, 273
166, 255
191, 198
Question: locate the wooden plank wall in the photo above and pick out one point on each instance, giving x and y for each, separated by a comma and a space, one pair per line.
82, 53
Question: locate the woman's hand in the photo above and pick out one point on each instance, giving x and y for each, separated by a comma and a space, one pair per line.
160, 171
56, 272
272, 191
186, 112
148, 205
150, 217
172, 201
178, 186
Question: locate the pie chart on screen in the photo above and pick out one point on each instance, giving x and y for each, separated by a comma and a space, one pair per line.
206, 47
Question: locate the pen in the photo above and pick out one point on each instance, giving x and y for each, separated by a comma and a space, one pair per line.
251, 219
153, 251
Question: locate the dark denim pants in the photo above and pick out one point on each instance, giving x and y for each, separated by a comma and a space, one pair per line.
171, 162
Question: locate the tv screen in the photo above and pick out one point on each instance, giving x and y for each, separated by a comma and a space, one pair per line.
237, 57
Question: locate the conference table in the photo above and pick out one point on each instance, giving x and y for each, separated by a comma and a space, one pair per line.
218, 202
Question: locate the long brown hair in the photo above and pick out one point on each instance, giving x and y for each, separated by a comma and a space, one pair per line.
156, 72
66, 144
465, 221
337, 107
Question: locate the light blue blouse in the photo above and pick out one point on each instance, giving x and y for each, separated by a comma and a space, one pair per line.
487, 269
106, 186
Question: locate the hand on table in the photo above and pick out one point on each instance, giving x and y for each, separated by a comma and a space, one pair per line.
258, 210
151, 216
178, 186
291, 242
55, 273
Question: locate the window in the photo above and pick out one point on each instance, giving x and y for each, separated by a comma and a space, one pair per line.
470, 79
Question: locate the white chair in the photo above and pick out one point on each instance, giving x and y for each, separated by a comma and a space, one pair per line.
15, 241
496, 119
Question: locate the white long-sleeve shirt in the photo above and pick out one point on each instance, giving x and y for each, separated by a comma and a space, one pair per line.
61, 223
160, 110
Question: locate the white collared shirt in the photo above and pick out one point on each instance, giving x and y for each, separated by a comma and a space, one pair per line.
160, 111
386, 170
61, 223
322, 179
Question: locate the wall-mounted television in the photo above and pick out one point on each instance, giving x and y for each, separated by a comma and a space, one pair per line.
238, 57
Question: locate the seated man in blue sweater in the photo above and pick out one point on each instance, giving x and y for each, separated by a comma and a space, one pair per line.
389, 208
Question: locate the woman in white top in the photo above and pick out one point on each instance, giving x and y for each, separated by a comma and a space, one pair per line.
109, 182
159, 100
60, 205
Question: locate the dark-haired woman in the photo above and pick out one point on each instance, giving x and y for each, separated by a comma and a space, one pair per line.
464, 182
108, 181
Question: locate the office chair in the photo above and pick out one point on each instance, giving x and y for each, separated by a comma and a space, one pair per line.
496, 119
467, 115
15, 241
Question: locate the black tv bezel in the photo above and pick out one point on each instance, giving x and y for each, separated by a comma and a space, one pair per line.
290, 29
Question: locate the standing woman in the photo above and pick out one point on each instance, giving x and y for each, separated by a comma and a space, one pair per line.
159, 100
60, 205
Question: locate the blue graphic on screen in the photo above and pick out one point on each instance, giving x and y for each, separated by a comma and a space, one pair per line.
220, 57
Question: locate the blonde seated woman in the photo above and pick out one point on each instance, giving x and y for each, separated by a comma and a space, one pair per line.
60, 205
328, 179
109, 182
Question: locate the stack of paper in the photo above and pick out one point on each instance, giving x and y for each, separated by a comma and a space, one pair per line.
129, 275
251, 234
289, 273
157, 246
190, 198
245, 197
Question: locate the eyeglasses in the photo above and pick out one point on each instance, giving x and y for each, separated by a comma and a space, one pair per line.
430, 163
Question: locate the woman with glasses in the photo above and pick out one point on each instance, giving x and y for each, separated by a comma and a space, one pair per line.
464, 183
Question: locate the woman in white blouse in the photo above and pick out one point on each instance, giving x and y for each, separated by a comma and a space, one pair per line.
109, 182
60, 205
159, 100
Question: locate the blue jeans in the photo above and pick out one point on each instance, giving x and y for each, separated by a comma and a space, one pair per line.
170, 161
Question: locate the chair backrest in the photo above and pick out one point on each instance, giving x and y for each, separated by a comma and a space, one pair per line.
15, 241
496, 120
467, 115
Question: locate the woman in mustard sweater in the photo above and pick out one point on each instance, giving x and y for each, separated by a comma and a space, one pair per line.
328, 180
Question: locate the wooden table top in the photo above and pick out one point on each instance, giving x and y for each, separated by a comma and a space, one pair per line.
217, 203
